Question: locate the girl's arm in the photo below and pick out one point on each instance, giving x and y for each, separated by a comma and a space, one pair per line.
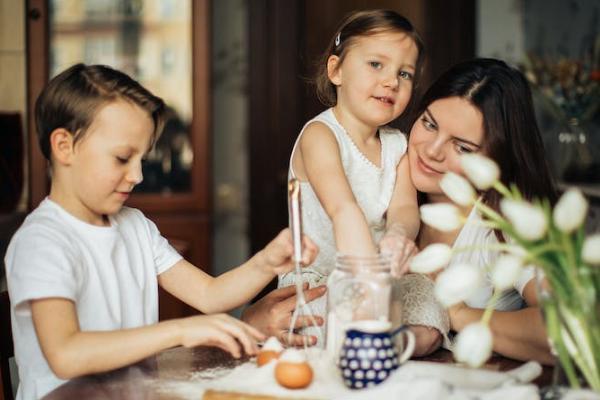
71, 352
237, 286
403, 212
320, 161
519, 334
403, 221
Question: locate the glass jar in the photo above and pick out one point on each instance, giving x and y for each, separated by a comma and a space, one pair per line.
358, 289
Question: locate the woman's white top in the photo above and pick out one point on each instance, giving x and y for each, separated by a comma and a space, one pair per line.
371, 185
475, 234
413, 299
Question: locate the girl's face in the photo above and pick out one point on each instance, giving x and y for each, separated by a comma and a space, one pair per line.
447, 129
375, 80
107, 163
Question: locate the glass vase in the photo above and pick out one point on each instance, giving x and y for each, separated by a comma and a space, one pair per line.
576, 163
573, 327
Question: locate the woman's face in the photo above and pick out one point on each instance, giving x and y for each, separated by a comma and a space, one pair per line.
447, 129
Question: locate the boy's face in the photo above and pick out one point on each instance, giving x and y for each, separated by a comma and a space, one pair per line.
107, 162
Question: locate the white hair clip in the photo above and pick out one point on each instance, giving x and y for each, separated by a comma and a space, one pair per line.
337, 39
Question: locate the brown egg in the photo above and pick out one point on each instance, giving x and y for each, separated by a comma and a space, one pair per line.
265, 356
293, 375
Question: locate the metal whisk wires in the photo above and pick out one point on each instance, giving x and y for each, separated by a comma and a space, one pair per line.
302, 307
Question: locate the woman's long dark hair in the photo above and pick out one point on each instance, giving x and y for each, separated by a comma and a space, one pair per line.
511, 135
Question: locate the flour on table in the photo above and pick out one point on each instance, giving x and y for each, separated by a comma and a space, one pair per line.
414, 380
250, 379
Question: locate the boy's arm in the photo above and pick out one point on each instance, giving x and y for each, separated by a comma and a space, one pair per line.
237, 286
71, 352
324, 170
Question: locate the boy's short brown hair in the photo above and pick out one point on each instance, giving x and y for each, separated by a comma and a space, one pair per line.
72, 99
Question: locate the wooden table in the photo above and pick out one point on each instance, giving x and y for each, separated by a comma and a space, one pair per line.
140, 380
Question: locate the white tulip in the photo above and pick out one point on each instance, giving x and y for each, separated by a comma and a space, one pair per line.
457, 284
517, 250
570, 211
445, 217
458, 189
431, 258
480, 170
528, 220
506, 271
590, 253
474, 345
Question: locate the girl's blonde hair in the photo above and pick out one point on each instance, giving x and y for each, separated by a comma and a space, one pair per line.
354, 25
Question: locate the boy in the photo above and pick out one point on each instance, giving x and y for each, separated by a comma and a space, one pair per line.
82, 270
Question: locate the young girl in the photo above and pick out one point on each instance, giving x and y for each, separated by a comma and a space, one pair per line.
83, 270
349, 164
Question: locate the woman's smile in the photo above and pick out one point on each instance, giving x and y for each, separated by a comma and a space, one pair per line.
426, 168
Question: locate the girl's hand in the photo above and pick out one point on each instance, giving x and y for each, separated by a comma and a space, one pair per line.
219, 330
277, 256
399, 247
273, 313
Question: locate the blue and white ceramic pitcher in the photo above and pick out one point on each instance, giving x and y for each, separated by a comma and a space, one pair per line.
368, 355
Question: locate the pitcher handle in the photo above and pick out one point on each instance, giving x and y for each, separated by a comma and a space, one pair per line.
410, 342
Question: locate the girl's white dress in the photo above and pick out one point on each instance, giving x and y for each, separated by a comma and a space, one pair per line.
371, 185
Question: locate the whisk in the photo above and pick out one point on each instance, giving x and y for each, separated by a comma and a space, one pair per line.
295, 215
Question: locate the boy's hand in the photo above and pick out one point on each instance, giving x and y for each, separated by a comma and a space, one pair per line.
399, 247
219, 330
277, 257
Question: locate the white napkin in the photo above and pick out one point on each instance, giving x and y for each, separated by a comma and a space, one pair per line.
580, 394
425, 389
467, 378
418, 380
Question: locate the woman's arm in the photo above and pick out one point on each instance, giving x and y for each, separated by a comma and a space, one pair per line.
237, 286
273, 313
519, 334
71, 352
320, 162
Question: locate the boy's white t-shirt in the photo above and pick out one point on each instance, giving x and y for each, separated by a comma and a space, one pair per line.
110, 273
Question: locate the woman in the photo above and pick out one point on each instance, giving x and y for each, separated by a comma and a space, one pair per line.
484, 106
